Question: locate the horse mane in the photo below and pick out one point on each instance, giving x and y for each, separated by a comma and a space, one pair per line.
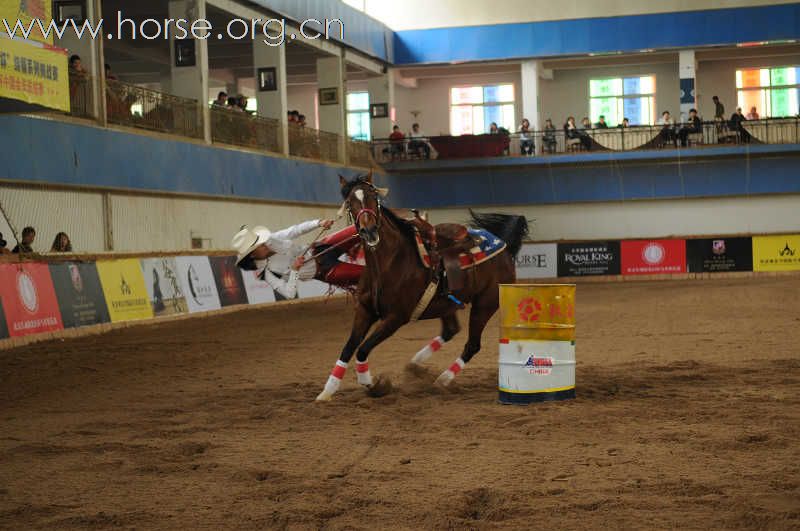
406, 228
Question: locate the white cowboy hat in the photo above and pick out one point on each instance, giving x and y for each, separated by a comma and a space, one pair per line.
248, 239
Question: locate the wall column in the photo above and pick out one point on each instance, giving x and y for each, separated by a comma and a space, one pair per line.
687, 67
191, 81
272, 103
381, 90
333, 117
531, 71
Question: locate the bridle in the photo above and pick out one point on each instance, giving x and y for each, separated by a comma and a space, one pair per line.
364, 211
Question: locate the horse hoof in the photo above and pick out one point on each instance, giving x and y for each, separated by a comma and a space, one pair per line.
324, 396
381, 387
446, 378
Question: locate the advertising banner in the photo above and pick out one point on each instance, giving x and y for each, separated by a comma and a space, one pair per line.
197, 283
123, 287
258, 291
776, 253
79, 293
163, 287
537, 260
35, 74
26, 12
592, 258
29, 300
228, 278
651, 257
711, 255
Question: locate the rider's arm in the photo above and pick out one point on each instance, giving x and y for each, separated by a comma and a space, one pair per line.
286, 286
296, 231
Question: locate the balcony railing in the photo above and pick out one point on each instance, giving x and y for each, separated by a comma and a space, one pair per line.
241, 129
313, 144
543, 143
135, 106
81, 95
359, 153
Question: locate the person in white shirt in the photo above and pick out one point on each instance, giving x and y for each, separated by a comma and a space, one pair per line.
668, 135
419, 143
281, 261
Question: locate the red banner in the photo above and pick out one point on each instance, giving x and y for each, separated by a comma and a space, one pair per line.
29, 300
652, 257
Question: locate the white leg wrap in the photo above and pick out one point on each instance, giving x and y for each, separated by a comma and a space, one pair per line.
333, 383
362, 373
447, 377
427, 351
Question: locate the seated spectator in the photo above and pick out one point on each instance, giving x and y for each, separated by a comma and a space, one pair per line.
752, 115
736, 125
61, 244
397, 139
572, 132
493, 130
26, 245
625, 124
586, 124
419, 143
526, 146
601, 123
549, 138
4, 246
667, 133
222, 99
694, 125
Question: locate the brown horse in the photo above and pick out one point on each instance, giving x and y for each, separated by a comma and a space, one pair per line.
392, 287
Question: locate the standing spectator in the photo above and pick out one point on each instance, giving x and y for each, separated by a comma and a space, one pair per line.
572, 132
301, 120
222, 99
3, 246
601, 123
233, 104
61, 244
526, 146
419, 143
625, 124
109, 75
289, 117
26, 245
719, 108
241, 102
76, 66
752, 115
549, 138
694, 125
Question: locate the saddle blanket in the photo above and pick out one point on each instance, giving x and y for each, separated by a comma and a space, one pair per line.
488, 247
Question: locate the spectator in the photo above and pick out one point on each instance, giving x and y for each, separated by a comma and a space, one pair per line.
572, 132
601, 123
241, 102
109, 75
752, 115
295, 117
549, 138
586, 124
76, 66
493, 130
526, 146
301, 120
233, 104
3, 246
26, 245
222, 99
694, 125
397, 139
667, 133
61, 244
625, 124
736, 125
419, 143
719, 108
290, 117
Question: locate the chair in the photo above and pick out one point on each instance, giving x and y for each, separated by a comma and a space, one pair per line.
574, 144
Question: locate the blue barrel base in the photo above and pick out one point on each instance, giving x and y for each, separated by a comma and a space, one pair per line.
531, 398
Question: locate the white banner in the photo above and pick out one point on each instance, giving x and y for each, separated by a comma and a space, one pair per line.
163, 286
537, 260
258, 290
197, 283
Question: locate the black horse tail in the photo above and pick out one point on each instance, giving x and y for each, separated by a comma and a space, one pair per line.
511, 229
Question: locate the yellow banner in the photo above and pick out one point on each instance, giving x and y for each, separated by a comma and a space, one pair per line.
26, 13
34, 74
124, 289
776, 253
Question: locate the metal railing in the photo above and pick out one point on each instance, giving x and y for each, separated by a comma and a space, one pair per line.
359, 153
543, 143
314, 144
239, 128
81, 95
135, 106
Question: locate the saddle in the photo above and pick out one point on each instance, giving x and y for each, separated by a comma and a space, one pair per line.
445, 242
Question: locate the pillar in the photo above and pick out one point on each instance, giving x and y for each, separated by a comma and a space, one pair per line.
687, 67
381, 91
272, 103
333, 116
530, 94
91, 53
191, 81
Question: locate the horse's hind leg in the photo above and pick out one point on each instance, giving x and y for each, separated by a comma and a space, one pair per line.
479, 315
450, 328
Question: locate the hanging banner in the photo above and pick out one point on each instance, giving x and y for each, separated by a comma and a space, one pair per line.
35, 74
228, 279
719, 254
79, 293
29, 301
537, 260
26, 13
197, 283
776, 253
163, 287
592, 258
123, 287
651, 257
258, 291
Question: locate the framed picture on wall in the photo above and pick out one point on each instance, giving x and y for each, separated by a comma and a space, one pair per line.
379, 110
64, 10
267, 79
329, 96
184, 52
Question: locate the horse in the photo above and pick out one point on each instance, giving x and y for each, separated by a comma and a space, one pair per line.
398, 287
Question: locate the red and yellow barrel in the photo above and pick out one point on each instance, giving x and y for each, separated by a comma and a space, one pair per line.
537, 342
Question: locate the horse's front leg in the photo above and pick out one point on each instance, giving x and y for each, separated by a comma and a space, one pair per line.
363, 320
383, 331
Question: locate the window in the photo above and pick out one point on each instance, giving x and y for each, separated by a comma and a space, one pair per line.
774, 92
358, 116
473, 109
623, 97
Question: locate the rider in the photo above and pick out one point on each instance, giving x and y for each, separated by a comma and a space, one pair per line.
281, 262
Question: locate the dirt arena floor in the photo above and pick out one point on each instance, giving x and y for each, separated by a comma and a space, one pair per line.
687, 416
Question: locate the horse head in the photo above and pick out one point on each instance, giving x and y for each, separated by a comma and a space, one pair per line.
362, 203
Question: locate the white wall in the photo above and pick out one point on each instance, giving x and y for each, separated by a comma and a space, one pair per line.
302, 98
417, 14
651, 219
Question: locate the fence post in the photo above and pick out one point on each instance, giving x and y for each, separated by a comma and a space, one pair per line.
108, 222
